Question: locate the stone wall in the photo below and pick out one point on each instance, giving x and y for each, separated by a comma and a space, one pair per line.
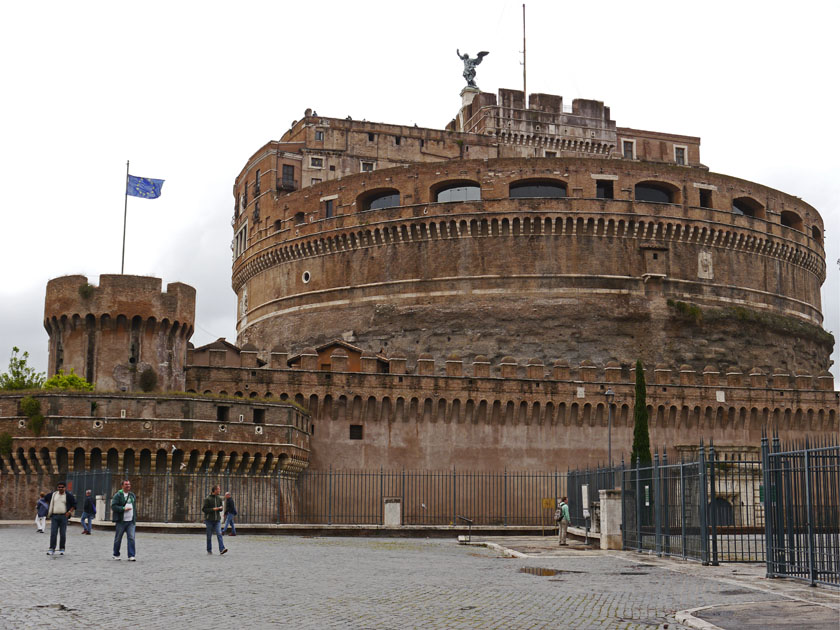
522, 414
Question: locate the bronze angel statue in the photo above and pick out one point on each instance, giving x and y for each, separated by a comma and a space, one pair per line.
470, 64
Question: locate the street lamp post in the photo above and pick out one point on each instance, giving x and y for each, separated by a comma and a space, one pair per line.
610, 394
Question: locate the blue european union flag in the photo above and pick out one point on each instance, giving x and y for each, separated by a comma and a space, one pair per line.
143, 187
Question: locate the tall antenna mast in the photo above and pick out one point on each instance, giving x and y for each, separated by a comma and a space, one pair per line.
524, 67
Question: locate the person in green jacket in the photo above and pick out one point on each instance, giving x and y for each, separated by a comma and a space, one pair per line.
212, 508
562, 518
124, 515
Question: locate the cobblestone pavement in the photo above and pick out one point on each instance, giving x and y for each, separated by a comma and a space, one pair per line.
267, 581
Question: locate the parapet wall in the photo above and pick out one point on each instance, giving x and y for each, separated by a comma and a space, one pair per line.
521, 414
127, 434
112, 333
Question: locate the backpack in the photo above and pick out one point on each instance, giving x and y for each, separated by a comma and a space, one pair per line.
558, 513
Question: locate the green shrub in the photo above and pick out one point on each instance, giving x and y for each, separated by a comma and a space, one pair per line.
86, 291
20, 375
148, 380
5, 444
30, 407
36, 424
60, 380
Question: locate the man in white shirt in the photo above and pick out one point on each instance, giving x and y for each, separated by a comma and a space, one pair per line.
124, 515
61, 505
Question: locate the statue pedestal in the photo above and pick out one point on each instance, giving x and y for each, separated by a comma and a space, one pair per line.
468, 94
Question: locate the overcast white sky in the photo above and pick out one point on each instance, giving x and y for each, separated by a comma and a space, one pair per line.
189, 90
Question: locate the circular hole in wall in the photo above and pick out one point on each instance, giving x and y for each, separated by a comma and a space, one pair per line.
21, 424
97, 424
147, 425
306, 277
222, 428
258, 430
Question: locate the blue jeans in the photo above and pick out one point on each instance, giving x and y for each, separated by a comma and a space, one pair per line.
58, 525
86, 517
122, 527
229, 523
214, 527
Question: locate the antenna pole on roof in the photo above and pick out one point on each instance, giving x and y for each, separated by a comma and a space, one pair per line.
524, 76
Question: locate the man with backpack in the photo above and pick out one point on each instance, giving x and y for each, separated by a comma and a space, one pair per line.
561, 516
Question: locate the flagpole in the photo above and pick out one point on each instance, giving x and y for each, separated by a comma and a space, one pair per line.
125, 216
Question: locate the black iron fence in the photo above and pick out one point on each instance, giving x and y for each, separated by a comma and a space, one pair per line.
708, 509
429, 497
802, 497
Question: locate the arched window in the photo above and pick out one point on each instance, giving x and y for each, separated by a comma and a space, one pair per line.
379, 199
300, 217
816, 234
792, 220
538, 188
657, 192
748, 207
278, 225
456, 191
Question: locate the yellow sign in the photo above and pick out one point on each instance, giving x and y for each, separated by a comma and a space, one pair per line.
549, 504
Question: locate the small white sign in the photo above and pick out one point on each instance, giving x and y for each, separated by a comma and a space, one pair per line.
581, 392
720, 395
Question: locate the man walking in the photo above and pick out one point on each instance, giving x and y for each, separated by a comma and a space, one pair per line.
88, 512
562, 518
41, 508
124, 515
60, 506
230, 512
212, 508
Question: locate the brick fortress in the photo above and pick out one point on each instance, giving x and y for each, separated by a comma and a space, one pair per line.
459, 297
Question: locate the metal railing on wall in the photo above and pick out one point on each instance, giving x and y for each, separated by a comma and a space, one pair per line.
802, 495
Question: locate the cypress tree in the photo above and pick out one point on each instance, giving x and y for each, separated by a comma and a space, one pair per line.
641, 437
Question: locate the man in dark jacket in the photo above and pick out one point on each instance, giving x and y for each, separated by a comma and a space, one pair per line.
124, 515
61, 505
88, 512
212, 508
41, 509
230, 512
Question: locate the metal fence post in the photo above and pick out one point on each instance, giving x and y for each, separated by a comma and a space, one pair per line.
683, 533
381, 498
623, 507
768, 509
504, 515
809, 515
329, 497
638, 506
704, 532
454, 484
657, 508
713, 505
166, 480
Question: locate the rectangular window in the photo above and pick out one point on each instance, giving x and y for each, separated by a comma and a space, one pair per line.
222, 413
371, 137
628, 149
240, 241
397, 140
288, 172
316, 162
328, 208
679, 155
316, 180
257, 183
355, 431
705, 198
551, 154
604, 189
332, 169
259, 416
367, 167
319, 136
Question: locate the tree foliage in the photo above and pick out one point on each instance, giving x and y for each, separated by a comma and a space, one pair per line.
60, 380
641, 436
20, 374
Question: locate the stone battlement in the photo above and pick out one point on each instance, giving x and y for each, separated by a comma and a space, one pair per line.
523, 369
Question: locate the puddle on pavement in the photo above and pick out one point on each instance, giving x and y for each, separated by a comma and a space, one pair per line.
543, 572
735, 592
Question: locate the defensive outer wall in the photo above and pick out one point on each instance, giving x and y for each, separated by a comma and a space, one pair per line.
518, 414
145, 433
719, 271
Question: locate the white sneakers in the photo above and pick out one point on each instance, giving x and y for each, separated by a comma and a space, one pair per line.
115, 558
132, 559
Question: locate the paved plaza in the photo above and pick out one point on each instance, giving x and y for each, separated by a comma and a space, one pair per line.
308, 582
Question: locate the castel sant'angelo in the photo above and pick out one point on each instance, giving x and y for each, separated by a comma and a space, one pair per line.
458, 297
